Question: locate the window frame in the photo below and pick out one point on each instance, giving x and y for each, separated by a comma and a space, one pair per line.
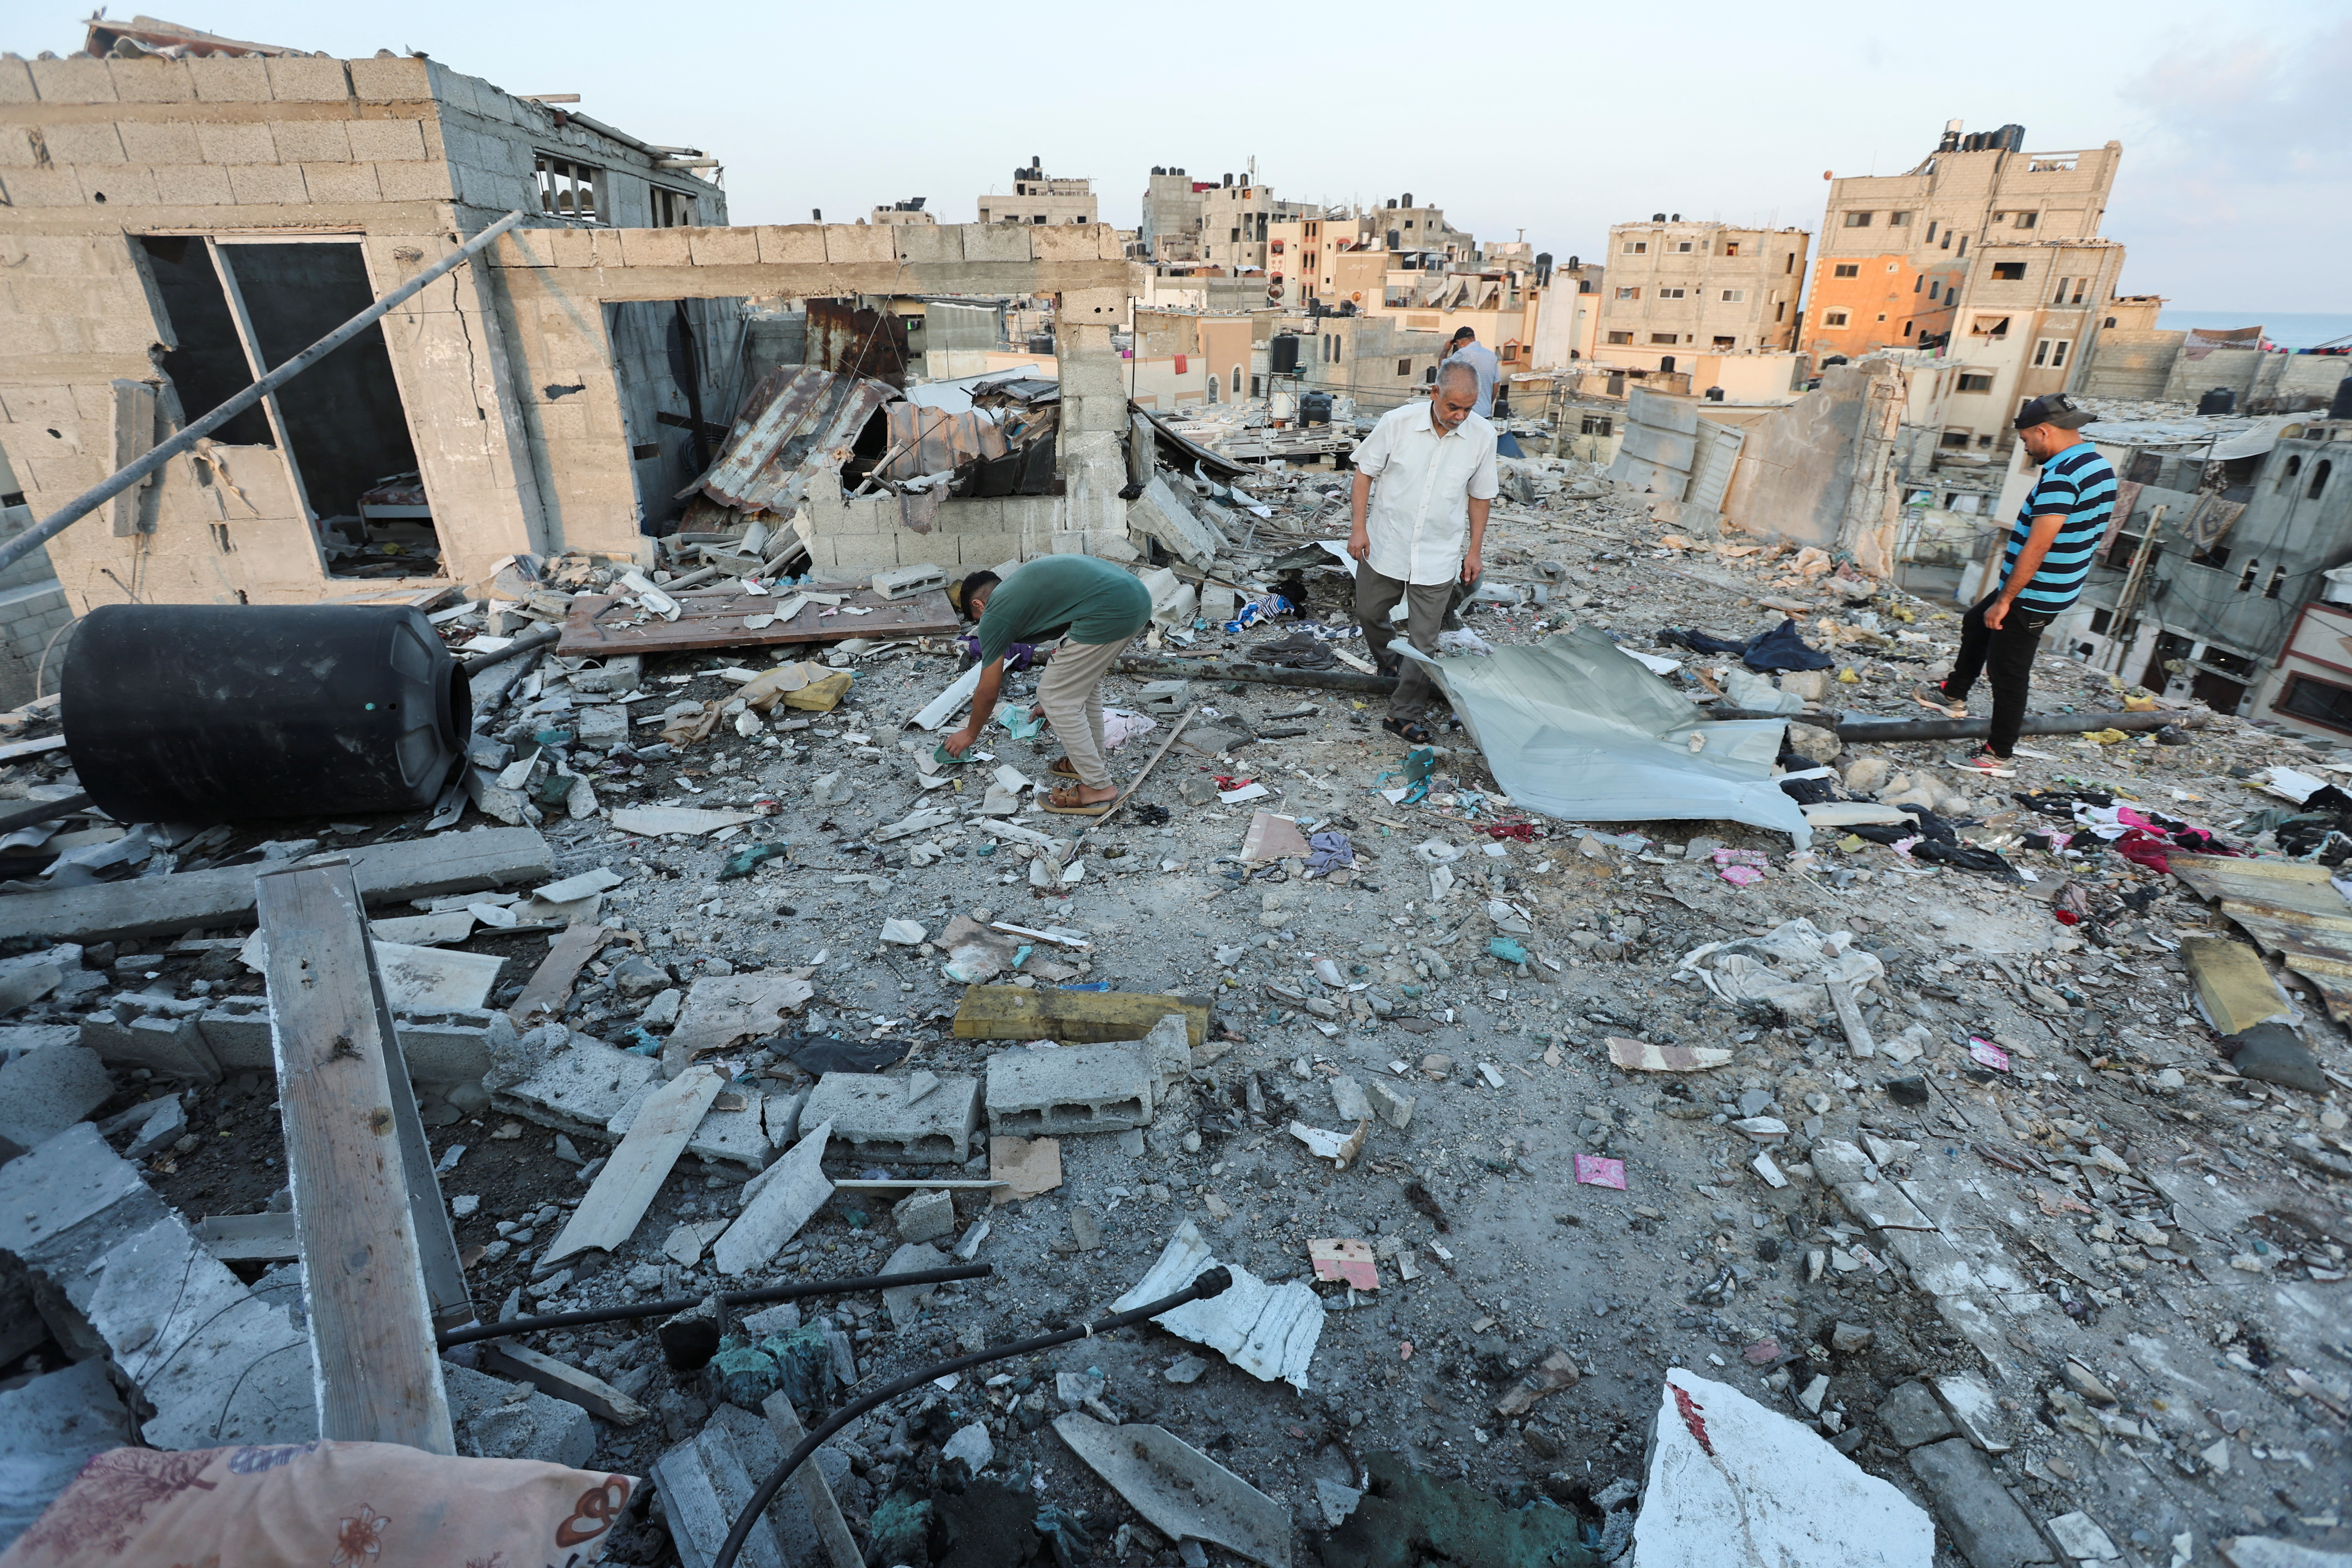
547, 168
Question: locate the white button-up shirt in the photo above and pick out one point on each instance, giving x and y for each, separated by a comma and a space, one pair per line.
1423, 483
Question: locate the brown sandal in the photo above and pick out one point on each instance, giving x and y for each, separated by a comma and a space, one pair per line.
1065, 802
1063, 768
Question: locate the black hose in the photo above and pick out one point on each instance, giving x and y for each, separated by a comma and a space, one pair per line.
515, 649
1212, 1282
727, 1299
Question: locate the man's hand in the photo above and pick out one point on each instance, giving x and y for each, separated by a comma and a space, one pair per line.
1359, 543
1470, 567
961, 742
1996, 613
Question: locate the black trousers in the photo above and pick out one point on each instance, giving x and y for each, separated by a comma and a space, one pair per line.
2006, 658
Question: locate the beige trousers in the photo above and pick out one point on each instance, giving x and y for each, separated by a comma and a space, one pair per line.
1070, 692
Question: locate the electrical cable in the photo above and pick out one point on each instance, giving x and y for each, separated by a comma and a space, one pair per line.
1211, 1282
727, 1299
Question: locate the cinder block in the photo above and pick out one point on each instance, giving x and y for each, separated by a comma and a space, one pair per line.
268, 184
160, 142
78, 80
298, 141
230, 78
170, 1046
43, 188
428, 182
301, 78
17, 82
151, 81
924, 1216
402, 80
387, 140
236, 142
125, 184
871, 1114
1072, 1089
849, 243
655, 247
722, 247
491, 1423
82, 144
919, 244
236, 1032
43, 1093
350, 182
190, 186
577, 1088
792, 244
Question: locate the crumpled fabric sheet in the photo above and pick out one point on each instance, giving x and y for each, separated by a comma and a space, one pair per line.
1767, 652
1120, 726
1018, 656
1790, 967
1296, 651
1331, 851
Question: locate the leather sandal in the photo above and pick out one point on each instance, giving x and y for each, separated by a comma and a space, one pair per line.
1065, 802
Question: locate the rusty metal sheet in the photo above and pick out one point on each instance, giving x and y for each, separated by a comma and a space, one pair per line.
933, 441
798, 423
2291, 909
715, 620
850, 342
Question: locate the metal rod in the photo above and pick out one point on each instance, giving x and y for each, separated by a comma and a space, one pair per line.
40, 811
122, 479
1212, 1282
1969, 728
727, 1299
1264, 674
522, 645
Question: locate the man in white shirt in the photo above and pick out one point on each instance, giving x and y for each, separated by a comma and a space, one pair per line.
1425, 479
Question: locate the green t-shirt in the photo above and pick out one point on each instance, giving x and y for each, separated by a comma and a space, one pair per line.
1083, 598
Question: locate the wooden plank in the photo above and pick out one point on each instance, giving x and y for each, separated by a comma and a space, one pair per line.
916, 1184
625, 1187
600, 624
1084, 1017
563, 1380
15, 749
840, 1546
550, 984
249, 1237
2237, 990
388, 874
377, 1371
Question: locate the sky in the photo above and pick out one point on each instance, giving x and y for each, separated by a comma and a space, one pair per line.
2234, 193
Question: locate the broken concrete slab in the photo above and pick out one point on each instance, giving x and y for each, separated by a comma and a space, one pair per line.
168, 1045
873, 1115
494, 1419
627, 1184
1269, 1332
1161, 512
43, 1092
925, 1215
708, 1480
721, 1009
1984, 1523
1069, 1089
1912, 1416
50, 1427
1723, 1468
1179, 1490
912, 1258
776, 1203
2268, 1551
571, 1082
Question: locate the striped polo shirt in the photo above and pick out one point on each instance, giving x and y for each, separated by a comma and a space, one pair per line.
2079, 485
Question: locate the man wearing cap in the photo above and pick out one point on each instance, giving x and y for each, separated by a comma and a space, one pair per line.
1465, 349
2057, 531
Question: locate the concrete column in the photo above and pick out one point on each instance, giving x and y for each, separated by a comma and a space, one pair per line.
1092, 455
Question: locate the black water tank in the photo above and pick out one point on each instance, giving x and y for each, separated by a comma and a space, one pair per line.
1282, 353
222, 713
2341, 409
1041, 343
2220, 400
1715, 395
1315, 408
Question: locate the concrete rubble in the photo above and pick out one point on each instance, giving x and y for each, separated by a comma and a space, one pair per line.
1862, 1175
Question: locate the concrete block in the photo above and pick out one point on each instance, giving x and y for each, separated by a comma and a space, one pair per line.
387, 140
722, 247
920, 243
237, 141
17, 82
164, 142
849, 243
578, 1087
737, 1137
655, 248
230, 78
1067, 1089
15, 1039
347, 183
997, 241
70, 144
186, 185
797, 244
425, 181
151, 81
76, 79
871, 1114
236, 1032
492, 1423
268, 184
43, 1093
924, 1216
125, 184
1912, 1416
451, 1047
154, 1123
172, 1047
1976, 1513
43, 188
50, 1427
295, 79
403, 79
1063, 242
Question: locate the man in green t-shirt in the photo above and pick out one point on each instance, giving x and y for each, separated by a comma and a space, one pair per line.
1096, 608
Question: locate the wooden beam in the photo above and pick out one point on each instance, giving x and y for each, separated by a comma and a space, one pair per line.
840, 1547
341, 1088
1086, 1018
563, 1380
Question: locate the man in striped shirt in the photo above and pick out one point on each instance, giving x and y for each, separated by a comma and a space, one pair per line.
2050, 545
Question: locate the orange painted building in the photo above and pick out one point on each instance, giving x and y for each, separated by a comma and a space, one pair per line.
1866, 302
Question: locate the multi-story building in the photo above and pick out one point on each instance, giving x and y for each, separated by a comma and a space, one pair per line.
1894, 247
1676, 290
1304, 257
909, 211
1171, 230
1237, 223
1399, 225
1037, 199
2029, 315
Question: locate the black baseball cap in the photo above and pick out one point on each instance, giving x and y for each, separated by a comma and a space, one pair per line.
2055, 408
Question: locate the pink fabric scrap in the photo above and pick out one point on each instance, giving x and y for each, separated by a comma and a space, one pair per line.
1988, 1054
1593, 1170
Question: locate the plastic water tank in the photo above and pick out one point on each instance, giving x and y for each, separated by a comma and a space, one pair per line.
2220, 400
221, 712
2341, 409
1315, 408
1282, 353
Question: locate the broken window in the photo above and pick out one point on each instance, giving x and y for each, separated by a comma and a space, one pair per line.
1857, 220
680, 380
1629, 293
1834, 318
672, 209
1405, 367
2009, 271
2318, 480
2317, 703
1990, 327
2246, 579
1726, 343
1847, 269
206, 362
1597, 425
1620, 337
1975, 381
1956, 439
567, 188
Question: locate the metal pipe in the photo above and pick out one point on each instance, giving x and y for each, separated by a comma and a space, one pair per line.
1212, 1282
526, 642
122, 479
1262, 674
34, 813
1967, 728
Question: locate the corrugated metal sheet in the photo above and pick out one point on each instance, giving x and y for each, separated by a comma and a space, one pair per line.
932, 440
849, 341
2289, 909
798, 422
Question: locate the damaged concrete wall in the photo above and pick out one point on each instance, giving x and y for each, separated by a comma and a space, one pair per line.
1821, 471
395, 155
